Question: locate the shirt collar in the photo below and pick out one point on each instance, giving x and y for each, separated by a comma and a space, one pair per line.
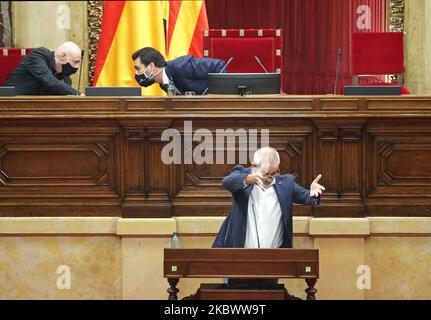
165, 77
271, 184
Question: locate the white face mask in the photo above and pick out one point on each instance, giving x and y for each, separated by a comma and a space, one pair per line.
150, 76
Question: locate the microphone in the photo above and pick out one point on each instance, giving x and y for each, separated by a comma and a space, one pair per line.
225, 66
336, 72
223, 69
255, 222
80, 69
260, 63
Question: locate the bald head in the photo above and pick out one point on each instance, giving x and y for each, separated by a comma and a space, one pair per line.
68, 52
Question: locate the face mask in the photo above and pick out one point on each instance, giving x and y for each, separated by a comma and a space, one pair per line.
143, 81
68, 70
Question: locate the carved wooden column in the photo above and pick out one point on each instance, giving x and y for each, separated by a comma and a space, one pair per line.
311, 290
156, 174
173, 290
339, 157
134, 164
146, 177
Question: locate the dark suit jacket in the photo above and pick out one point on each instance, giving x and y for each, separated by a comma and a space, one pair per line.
36, 75
191, 74
233, 230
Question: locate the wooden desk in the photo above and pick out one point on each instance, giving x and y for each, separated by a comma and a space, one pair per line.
241, 264
96, 156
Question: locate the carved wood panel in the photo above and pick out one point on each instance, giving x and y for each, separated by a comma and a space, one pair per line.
399, 170
68, 166
102, 156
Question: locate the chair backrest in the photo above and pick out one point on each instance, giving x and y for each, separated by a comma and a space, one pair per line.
9, 59
243, 45
377, 53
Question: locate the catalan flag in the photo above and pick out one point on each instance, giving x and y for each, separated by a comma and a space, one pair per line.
126, 27
186, 21
130, 25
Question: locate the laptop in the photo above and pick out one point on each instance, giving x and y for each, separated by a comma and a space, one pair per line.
113, 91
372, 90
7, 91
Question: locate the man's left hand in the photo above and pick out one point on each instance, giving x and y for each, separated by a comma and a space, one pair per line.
316, 189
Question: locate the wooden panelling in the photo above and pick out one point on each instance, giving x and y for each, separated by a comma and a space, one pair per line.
102, 156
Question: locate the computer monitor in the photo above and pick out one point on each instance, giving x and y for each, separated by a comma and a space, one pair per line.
7, 91
113, 91
244, 83
372, 90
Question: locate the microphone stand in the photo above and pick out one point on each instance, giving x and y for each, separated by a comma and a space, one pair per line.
336, 72
80, 69
221, 71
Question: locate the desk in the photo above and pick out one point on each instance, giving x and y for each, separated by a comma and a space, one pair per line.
97, 156
241, 264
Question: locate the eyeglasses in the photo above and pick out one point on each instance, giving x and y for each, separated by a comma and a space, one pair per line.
271, 175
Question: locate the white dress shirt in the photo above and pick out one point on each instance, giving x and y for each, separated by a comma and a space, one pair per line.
264, 223
165, 77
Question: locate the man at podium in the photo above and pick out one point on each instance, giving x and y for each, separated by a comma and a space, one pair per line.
262, 199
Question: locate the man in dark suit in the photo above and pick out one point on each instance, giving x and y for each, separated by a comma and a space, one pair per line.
44, 72
262, 199
183, 74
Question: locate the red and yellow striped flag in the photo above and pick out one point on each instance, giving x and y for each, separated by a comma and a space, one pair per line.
126, 27
186, 21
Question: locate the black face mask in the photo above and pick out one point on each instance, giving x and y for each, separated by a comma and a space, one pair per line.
68, 70
143, 81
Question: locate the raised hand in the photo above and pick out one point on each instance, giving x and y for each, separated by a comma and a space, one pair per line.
315, 188
255, 178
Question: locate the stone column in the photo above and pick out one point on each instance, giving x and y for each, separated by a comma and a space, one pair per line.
417, 58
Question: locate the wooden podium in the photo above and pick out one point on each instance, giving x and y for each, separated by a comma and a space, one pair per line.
240, 264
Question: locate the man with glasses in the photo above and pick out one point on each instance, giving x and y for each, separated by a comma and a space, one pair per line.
261, 213
262, 200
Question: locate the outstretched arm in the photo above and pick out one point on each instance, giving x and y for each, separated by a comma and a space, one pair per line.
304, 196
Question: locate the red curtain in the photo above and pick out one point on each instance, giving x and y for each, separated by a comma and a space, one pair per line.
313, 30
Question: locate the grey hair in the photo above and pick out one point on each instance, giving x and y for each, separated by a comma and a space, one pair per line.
266, 156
